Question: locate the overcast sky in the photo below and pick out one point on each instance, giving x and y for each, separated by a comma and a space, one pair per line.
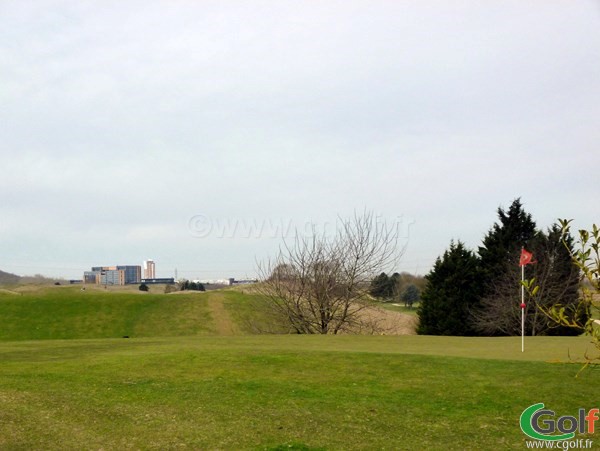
151, 129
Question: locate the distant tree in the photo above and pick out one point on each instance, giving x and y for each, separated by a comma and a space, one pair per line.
400, 281
396, 286
453, 290
390, 287
410, 295
193, 286
144, 287
197, 286
382, 286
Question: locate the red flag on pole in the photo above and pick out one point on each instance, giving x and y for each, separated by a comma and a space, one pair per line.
526, 257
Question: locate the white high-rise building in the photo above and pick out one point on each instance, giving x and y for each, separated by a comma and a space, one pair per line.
149, 269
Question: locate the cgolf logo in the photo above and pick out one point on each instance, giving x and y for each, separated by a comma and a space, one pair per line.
539, 423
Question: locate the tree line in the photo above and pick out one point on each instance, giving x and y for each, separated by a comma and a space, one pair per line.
190, 285
322, 284
478, 292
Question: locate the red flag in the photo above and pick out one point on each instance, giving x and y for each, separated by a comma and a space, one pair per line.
526, 257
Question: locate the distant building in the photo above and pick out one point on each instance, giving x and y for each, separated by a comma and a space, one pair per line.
113, 275
167, 280
243, 281
149, 269
229, 282
213, 281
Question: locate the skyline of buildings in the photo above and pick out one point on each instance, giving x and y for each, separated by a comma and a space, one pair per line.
144, 273
113, 275
124, 275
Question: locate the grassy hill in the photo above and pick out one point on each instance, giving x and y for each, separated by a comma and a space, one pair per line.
68, 312
35, 312
7, 278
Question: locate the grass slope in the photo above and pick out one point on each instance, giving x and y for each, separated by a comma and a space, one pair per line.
273, 392
66, 312
69, 312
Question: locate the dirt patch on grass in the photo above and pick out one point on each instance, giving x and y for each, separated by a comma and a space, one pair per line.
378, 321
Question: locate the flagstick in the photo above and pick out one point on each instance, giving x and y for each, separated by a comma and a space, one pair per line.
525, 259
522, 309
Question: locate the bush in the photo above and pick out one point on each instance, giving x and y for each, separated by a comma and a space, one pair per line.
194, 286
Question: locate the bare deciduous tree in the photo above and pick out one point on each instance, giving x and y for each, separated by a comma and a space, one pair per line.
317, 285
500, 311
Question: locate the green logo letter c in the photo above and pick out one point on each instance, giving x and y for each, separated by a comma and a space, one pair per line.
526, 423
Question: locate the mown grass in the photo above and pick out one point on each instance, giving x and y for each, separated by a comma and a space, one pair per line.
175, 385
265, 392
396, 307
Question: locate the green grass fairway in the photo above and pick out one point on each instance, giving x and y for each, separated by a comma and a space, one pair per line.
191, 376
399, 307
277, 392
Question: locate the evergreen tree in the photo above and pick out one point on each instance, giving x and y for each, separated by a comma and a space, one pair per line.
554, 272
193, 286
503, 242
453, 289
381, 286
